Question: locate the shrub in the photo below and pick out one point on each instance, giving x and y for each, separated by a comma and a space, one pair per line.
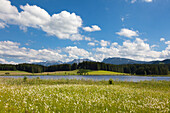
38, 78
25, 78
111, 81
7, 73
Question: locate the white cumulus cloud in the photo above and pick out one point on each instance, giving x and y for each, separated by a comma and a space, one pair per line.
167, 42
2, 25
137, 50
77, 37
127, 33
162, 39
104, 43
3, 61
88, 39
64, 25
166, 53
75, 52
91, 44
148, 0
133, 1
93, 28
9, 49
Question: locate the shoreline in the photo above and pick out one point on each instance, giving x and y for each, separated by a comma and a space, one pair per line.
89, 75
73, 73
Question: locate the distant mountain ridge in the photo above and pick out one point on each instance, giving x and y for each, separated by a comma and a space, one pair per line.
118, 61
49, 63
166, 61
115, 60
78, 61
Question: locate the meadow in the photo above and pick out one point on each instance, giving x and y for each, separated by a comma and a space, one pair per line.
82, 96
101, 72
74, 72
14, 73
17, 73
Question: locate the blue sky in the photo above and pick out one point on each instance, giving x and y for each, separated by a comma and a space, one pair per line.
41, 30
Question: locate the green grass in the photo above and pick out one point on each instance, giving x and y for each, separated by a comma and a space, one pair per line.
83, 96
14, 73
101, 72
74, 72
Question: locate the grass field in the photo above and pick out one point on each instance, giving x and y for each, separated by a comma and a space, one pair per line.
43, 73
14, 73
101, 72
81, 96
74, 72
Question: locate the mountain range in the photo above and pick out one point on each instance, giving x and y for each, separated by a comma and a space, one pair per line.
115, 60
118, 61
78, 61
49, 63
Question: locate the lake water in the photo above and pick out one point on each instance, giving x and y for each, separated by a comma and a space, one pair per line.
97, 77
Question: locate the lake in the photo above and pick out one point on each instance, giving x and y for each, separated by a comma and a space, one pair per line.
97, 77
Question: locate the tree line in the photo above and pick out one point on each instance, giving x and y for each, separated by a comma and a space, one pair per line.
135, 69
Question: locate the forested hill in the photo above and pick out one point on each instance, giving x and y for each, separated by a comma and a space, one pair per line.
167, 61
119, 61
135, 69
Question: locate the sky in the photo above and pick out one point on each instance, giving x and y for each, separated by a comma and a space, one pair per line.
63, 30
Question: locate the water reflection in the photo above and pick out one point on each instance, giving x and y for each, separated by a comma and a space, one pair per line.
98, 77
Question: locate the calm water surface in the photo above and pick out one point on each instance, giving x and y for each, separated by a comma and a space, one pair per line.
98, 77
